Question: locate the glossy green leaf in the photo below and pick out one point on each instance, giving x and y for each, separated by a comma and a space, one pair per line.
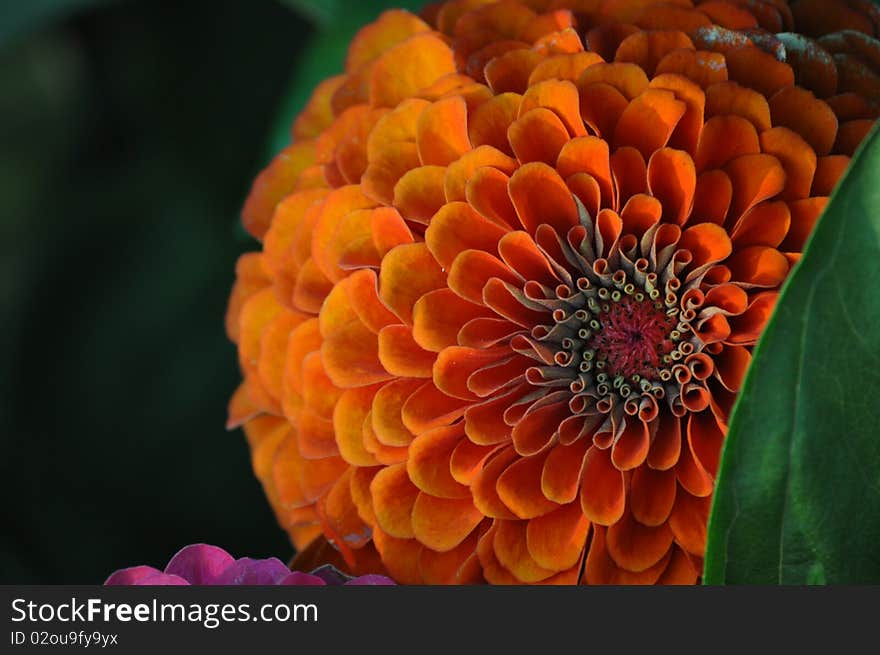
798, 492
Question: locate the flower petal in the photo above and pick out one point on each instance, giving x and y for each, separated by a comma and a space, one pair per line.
443, 523
636, 547
603, 491
556, 540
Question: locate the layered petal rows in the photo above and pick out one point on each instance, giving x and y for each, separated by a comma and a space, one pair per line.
513, 266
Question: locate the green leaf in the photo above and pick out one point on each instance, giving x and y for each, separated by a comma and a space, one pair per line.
798, 492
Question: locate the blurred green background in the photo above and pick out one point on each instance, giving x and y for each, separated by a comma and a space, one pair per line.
129, 133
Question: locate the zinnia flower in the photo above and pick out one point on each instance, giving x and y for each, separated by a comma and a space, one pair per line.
513, 267
202, 564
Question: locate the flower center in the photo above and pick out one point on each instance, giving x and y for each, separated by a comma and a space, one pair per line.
632, 337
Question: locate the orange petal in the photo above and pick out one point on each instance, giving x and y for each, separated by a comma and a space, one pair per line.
537, 136
317, 114
729, 98
804, 214
459, 173
488, 124
486, 191
443, 523
363, 296
603, 492
563, 67
326, 248
428, 407
759, 265
493, 571
724, 138
393, 498
468, 459
731, 365
588, 154
680, 570
419, 193
629, 79
392, 27
601, 107
648, 121
400, 556
672, 179
389, 230
519, 487
666, 446
688, 522
472, 269
485, 485
455, 364
339, 515
687, 132
703, 68
652, 495
408, 272
512, 551
351, 356
408, 67
273, 184
442, 568
484, 422
647, 48
439, 315
705, 439
754, 178
759, 70
457, 227
559, 96
631, 448
240, 409
829, 170
601, 569
747, 327
428, 464
851, 134
800, 110
540, 195
386, 417
401, 356
765, 224
319, 393
561, 477
629, 172
536, 428
556, 540
797, 159
712, 197
348, 420
442, 132
636, 547
511, 71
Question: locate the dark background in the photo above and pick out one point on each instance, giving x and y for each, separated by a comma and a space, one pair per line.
129, 133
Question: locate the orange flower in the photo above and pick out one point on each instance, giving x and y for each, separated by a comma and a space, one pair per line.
513, 267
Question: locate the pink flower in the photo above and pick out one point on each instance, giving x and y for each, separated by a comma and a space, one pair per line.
202, 564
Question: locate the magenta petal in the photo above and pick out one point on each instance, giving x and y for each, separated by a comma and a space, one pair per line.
371, 579
200, 564
161, 579
300, 578
248, 571
131, 576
